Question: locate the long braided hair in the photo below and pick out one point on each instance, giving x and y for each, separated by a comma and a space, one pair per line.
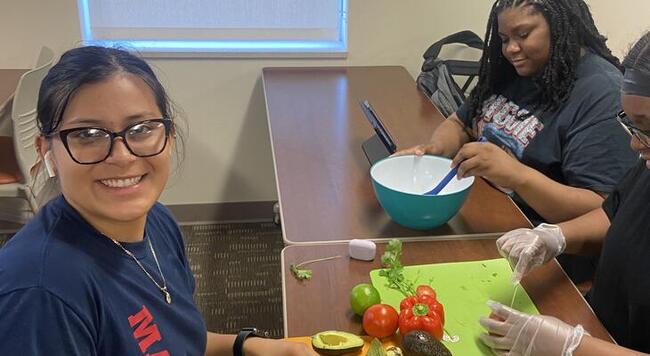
572, 28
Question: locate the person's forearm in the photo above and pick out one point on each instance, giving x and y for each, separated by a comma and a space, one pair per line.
591, 346
450, 136
219, 344
553, 201
584, 234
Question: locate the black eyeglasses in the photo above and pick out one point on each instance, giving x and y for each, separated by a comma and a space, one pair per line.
90, 145
642, 136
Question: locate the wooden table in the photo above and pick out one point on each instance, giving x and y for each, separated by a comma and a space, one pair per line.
322, 175
322, 303
8, 82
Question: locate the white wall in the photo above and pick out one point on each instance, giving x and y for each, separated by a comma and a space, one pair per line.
623, 22
228, 156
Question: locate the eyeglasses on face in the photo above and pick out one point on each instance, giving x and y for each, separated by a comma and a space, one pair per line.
642, 136
90, 145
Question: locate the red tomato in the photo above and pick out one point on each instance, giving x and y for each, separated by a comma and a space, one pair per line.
424, 289
380, 320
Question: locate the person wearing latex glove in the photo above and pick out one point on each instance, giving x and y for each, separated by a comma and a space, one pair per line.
526, 248
529, 335
617, 232
511, 332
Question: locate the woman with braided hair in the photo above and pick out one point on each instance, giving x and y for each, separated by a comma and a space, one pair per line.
546, 100
618, 232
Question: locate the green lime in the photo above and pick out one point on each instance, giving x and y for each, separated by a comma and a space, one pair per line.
362, 297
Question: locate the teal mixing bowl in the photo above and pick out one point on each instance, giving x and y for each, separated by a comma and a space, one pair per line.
399, 183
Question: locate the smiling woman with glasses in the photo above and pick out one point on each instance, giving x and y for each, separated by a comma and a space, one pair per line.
102, 270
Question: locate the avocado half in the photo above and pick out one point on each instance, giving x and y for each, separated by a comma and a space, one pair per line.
333, 342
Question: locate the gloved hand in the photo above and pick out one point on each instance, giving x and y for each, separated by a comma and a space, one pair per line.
526, 249
522, 334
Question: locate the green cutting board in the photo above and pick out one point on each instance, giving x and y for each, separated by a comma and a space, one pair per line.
463, 288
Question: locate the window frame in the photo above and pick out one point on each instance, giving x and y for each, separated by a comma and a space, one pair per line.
225, 48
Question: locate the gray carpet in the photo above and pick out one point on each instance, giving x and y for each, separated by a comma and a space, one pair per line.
237, 273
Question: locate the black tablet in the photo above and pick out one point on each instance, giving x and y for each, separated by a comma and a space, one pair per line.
381, 145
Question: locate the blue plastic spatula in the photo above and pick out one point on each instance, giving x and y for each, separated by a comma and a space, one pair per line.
443, 183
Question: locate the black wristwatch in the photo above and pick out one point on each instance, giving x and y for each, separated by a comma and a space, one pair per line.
245, 333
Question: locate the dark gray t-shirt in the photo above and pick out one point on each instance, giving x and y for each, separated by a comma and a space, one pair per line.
580, 145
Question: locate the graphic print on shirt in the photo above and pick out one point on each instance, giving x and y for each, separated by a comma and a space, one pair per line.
502, 125
146, 332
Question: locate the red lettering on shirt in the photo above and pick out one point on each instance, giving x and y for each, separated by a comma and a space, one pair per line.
511, 120
146, 332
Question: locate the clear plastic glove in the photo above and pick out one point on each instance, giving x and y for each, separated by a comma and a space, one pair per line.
526, 249
528, 335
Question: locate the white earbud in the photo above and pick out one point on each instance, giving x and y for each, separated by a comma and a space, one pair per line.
47, 158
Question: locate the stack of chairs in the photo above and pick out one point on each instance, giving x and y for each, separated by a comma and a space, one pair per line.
19, 186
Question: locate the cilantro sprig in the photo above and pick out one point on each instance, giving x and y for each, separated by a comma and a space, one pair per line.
301, 273
305, 273
393, 269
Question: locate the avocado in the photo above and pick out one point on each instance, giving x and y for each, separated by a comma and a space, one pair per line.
333, 342
420, 343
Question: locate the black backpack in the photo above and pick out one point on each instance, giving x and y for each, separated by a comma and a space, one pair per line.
436, 80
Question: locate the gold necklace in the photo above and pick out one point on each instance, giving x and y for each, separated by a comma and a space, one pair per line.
163, 289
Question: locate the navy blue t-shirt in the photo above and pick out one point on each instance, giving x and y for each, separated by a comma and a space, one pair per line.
580, 144
67, 289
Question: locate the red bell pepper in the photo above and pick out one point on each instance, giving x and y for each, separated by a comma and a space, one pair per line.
421, 312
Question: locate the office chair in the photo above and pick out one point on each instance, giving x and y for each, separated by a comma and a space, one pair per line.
18, 153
